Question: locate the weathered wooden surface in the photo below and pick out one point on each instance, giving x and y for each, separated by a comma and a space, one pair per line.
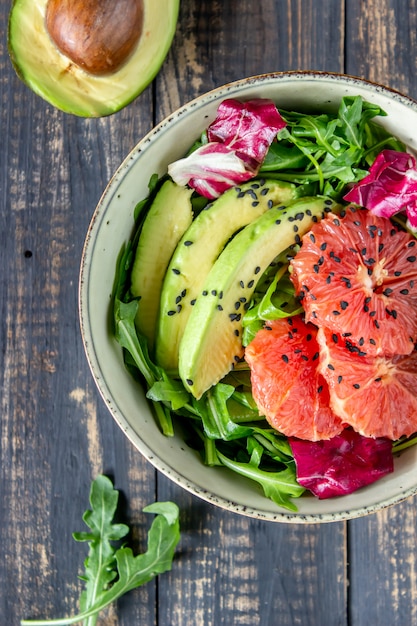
56, 433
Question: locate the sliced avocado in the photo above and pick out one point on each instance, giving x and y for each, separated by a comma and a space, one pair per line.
168, 218
197, 251
212, 344
61, 80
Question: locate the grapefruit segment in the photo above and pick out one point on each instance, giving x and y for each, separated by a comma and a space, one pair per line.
286, 384
356, 274
376, 395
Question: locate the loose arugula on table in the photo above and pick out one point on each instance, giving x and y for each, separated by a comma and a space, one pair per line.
324, 154
112, 571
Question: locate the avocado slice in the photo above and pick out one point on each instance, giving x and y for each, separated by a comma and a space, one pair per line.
211, 344
197, 251
169, 216
66, 84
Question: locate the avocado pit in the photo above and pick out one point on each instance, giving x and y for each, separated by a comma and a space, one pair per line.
97, 35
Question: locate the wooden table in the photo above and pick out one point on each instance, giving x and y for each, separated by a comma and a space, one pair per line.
56, 433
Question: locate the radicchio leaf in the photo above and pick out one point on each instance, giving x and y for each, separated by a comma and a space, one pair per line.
238, 141
341, 465
389, 187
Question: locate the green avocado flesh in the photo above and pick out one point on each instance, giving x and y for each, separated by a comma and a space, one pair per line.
211, 344
168, 218
51, 75
197, 251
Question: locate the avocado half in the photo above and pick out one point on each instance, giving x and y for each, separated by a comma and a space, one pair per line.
66, 85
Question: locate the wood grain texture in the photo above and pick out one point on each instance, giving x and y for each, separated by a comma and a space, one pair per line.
56, 432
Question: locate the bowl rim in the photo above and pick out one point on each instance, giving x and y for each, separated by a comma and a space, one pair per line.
146, 451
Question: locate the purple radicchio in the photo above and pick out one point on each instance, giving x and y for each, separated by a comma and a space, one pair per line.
238, 140
341, 465
389, 187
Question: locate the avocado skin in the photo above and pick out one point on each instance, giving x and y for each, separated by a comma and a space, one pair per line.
211, 344
197, 251
52, 76
169, 215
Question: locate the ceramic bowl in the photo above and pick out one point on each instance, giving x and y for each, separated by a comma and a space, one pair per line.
111, 227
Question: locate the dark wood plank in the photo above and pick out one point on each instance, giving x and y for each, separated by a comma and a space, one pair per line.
56, 432
380, 44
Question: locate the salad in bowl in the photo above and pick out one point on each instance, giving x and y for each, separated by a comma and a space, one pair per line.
263, 311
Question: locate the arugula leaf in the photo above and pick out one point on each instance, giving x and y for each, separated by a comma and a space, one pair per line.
216, 417
111, 572
125, 333
100, 563
327, 151
280, 486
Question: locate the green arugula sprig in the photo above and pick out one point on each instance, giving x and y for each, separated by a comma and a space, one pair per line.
325, 152
111, 572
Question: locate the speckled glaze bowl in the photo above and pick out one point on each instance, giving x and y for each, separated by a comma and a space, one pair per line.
111, 227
